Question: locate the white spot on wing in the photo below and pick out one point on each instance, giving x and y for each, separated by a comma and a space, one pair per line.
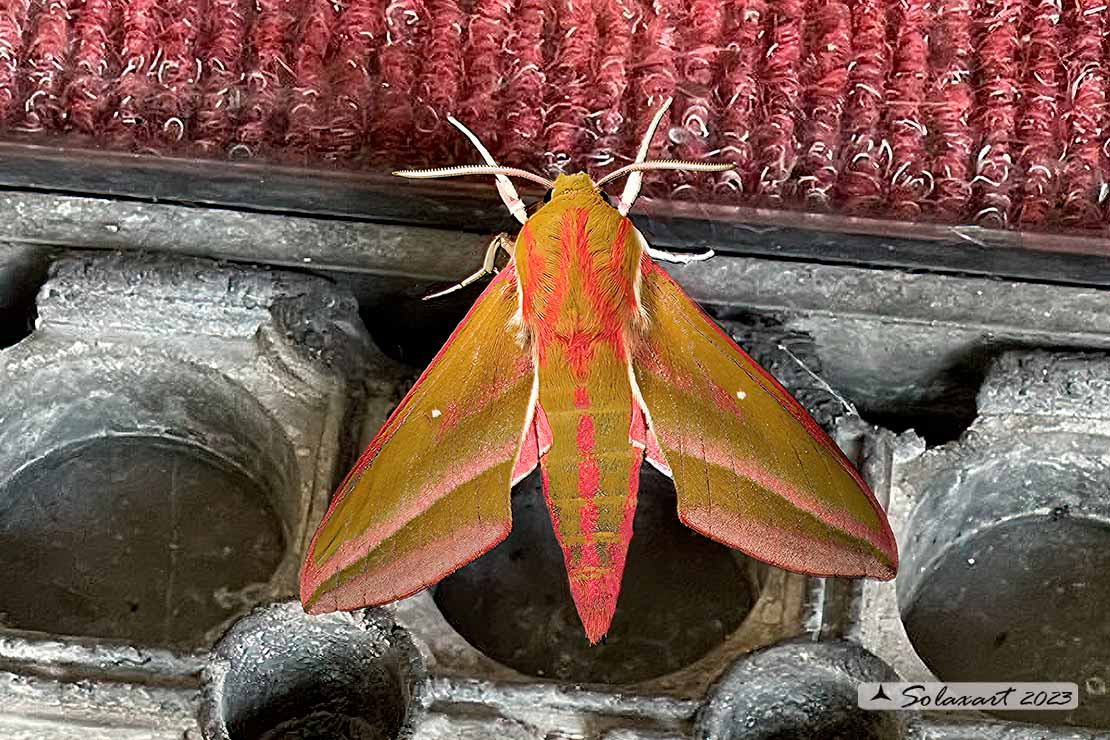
741, 395
436, 413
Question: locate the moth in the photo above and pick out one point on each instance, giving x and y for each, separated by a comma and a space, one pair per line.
583, 357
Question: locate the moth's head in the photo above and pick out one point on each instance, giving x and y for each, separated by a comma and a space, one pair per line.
576, 184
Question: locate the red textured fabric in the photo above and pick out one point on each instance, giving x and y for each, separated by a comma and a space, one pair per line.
311, 86
867, 155
949, 103
46, 54
991, 112
826, 83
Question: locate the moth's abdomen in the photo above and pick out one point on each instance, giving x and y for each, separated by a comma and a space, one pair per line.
591, 475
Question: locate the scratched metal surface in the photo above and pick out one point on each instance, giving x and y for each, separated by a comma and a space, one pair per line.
180, 387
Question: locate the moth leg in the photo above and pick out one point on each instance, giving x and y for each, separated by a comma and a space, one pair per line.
489, 264
682, 259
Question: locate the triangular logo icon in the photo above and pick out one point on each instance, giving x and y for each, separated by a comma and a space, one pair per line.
880, 694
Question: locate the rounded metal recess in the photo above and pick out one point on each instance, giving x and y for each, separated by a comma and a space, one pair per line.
798, 690
110, 522
1005, 571
280, 674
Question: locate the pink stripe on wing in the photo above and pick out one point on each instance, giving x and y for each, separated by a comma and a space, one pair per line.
717, 452
353, 549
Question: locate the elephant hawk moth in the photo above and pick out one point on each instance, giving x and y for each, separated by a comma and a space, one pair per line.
584, 358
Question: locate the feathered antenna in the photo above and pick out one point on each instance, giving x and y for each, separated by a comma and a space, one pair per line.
641, 164
504, 186
473, 169
665, 164
509, 195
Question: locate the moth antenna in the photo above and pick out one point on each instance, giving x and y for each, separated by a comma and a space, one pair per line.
504, 185
632, 187
473, 169
636, 168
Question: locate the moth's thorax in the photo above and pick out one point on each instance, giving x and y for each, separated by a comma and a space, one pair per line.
578, 261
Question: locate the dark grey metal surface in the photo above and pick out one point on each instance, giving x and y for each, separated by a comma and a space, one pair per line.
167, 432
156, 466
902, 345
1077, 257
1006, 570
172, 427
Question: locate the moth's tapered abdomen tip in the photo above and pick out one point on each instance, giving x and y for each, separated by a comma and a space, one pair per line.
596, 623
596, 601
